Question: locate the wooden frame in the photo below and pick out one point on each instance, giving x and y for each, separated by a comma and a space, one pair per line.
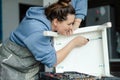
93, 58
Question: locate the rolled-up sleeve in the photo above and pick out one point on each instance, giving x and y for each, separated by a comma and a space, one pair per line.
41, 48
80, 8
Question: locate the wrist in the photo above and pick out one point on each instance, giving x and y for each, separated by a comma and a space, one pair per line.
78, 20
77, 23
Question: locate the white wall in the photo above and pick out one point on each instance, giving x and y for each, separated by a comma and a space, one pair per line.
47, 2
10, 13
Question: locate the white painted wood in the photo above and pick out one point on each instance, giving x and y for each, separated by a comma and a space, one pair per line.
90, 59
81, 30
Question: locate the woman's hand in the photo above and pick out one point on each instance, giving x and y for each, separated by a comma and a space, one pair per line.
76, 42
79, 41
77, 23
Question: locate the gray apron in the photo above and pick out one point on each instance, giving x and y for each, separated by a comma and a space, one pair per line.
17, 63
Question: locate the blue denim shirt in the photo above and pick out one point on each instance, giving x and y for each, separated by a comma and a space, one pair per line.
81, 7
29, 33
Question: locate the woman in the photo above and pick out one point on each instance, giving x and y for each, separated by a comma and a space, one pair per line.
27, 47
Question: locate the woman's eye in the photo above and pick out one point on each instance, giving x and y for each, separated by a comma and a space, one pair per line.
70, 24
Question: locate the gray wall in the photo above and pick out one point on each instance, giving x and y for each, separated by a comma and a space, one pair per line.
10, 13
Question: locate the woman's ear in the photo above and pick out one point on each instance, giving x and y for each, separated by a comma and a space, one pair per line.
54, 24
55, 21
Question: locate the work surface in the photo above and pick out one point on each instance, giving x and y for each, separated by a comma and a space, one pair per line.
72, 76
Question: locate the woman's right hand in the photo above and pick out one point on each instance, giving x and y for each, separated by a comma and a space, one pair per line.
76, 42
79, 41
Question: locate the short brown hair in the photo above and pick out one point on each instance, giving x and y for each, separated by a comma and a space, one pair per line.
59, 10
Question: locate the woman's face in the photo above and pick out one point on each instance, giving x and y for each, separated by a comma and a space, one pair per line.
65, 27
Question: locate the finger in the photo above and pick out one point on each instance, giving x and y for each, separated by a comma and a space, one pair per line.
71, 31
